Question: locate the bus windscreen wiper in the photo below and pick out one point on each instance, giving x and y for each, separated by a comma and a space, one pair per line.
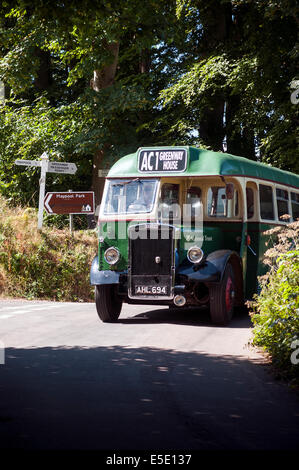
127, 182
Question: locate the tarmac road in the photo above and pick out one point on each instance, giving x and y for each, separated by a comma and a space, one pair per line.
158, 379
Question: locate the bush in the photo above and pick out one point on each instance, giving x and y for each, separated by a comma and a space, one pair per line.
276, 310
49, 264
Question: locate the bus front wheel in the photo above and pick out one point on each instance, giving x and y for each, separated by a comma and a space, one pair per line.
222, 298
108, 303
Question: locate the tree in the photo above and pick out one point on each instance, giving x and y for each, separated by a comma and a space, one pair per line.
235, 92
92, 65
90, 85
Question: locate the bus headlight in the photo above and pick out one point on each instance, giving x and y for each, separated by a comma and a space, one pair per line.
195, 254
112, 255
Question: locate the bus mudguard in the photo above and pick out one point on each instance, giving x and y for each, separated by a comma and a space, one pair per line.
212, 269
102, 277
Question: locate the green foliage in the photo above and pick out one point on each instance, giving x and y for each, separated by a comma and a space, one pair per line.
73, 132
52, 264
276, 309
245, 57
27, 131
48, 53
211, 74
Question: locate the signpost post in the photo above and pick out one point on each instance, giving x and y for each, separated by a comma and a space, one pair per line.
46, 166
71, 219
2, 93
42, 186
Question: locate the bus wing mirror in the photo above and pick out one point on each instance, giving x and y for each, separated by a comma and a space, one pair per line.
229, 190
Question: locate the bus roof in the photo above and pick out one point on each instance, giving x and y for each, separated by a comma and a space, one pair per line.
200, 162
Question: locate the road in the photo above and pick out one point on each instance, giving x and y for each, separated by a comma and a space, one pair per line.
158, 379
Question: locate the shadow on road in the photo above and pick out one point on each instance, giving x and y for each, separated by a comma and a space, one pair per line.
141, 398
190, 316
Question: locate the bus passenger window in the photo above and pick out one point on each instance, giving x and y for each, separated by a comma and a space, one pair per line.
219, 205
295, 205
266, 202
193, 200
282, 197
217, 202
250, 202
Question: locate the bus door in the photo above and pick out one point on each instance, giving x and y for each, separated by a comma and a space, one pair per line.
192, 217
252, 240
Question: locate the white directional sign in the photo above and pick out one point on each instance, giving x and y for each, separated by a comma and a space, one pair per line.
53, 167
46, 167
62, 167
28, 162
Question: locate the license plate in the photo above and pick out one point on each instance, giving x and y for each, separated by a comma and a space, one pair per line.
151, 290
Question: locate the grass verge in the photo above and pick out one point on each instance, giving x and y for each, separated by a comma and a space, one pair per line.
49, 264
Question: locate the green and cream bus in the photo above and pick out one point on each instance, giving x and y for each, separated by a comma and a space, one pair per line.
184, 227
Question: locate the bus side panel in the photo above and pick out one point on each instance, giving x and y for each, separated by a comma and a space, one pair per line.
255, 255
222, 235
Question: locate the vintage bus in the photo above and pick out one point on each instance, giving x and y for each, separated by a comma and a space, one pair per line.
184, 227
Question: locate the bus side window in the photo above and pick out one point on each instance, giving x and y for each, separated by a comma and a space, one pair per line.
250, 202
295, 205
266, 202
194, 200
282, 198
217, 206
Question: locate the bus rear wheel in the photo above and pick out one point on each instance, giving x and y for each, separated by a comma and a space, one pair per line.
108, 303
222, 298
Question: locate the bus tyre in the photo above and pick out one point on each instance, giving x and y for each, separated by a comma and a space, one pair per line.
222, 298
108, 303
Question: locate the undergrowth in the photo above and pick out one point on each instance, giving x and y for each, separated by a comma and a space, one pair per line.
49, 264
276, 309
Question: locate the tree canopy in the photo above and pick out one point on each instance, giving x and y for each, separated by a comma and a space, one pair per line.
89, 83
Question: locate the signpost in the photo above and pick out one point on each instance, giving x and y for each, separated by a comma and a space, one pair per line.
62, 167
71, 202
28, 162
46, 166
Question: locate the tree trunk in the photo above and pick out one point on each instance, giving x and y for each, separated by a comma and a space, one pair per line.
103, 78
145, 61
98, 182
240, 140
248, 144
216, 21
44, 77
211, 125
233, 130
